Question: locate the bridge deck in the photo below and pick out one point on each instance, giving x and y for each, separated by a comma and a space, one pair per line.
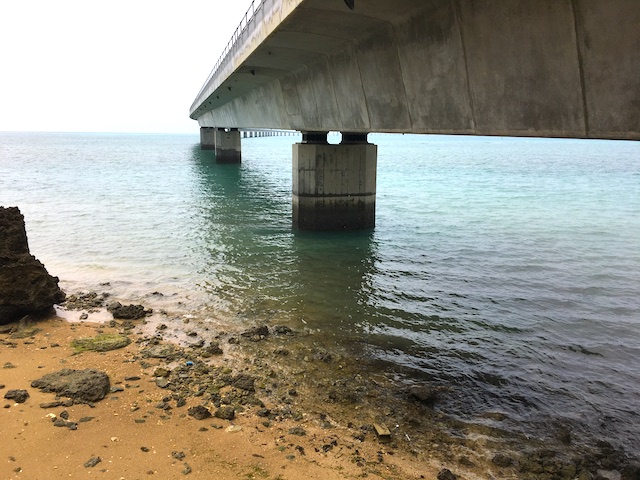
565, 68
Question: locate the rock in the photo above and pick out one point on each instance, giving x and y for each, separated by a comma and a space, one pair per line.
564, 435
162, 382
100, 343
282, 330
127, 312
446, 474
85, 301
83, 386
502, 460
425, 395
19, 396
199, 412
178, 455
92, 462
60, 422
244, 382
159, 351
211, 350
161, 372
256, 334
225, 413
25, 285
631, 472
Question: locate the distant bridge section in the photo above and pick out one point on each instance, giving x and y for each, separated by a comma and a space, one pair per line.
552, 68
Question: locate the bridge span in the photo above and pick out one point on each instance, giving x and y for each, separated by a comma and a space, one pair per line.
549, 68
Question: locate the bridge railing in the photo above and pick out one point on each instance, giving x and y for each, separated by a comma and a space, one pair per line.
232, 46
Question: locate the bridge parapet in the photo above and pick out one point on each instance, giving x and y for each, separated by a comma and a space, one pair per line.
261, 19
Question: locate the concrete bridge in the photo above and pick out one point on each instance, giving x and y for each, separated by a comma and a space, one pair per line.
549, 68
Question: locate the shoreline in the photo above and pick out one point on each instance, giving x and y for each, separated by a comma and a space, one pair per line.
138, 430
305, 410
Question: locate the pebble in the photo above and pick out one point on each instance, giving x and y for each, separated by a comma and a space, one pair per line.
92, 462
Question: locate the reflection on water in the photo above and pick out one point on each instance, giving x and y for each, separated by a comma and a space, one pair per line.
259, 268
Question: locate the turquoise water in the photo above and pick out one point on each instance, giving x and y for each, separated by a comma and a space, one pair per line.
508, 269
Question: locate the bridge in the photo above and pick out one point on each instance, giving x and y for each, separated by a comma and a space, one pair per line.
545, 68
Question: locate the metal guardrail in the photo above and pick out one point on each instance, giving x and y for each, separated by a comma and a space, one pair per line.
256, 6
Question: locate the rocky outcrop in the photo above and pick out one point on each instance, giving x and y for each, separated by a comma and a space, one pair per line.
25, 285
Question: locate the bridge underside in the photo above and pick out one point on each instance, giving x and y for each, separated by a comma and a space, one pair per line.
553, 68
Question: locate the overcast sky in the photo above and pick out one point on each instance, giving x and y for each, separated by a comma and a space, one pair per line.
117, 66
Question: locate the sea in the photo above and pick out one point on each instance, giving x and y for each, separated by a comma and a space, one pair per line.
507, 269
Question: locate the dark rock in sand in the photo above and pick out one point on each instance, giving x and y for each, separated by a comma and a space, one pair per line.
25, 285
225, 413
127, 312
83, 386
244, 382
92, 462
19, 396
178, 455
446, 474
199, 412
62, 423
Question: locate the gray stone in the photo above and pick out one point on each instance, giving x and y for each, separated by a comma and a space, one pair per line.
225, 413
446, 474
244, 382
92, 462
26, 288
19, 396
82, 386
424, 394
199, 412
127, 312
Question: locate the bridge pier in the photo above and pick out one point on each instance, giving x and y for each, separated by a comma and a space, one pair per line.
334, 186
228, 145
207, 138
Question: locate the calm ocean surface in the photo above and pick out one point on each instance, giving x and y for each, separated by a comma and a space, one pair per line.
506, 268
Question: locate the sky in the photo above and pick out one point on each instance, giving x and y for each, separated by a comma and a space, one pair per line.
116, 66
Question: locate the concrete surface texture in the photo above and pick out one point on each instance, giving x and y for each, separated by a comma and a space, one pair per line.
334, 186
565, 68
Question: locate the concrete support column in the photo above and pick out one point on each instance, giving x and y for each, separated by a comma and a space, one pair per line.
334, 186
207, 138
228, 146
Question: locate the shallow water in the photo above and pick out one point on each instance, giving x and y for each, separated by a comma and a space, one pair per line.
508, 269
